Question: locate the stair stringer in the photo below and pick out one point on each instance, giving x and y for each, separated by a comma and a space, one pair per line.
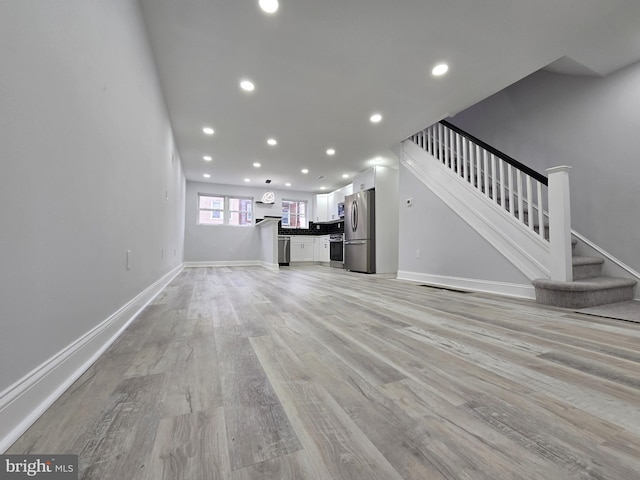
519, 245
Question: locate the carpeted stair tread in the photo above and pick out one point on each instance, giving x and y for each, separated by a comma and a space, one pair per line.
580, 261
584, 293
584, 285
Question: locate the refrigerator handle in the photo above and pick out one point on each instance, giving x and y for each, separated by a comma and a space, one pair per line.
354, 215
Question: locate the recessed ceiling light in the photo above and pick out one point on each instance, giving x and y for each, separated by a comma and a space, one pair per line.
272, 141
206, 175
287, 184
375, 118
440, 69
323, 188
247, 179
247, 85
208, 130
256, 164
345, 175
207, 158
331, 151
269, 6
305, 170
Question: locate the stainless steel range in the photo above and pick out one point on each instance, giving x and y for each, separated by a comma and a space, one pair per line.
336, 250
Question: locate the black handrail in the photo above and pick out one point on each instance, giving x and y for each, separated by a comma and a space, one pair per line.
512, 161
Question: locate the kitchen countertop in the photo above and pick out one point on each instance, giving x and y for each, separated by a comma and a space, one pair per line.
268, 220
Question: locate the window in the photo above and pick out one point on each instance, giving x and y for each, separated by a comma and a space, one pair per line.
222, 210
294, 214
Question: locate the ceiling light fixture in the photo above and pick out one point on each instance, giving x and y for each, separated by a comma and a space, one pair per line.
305, 170
207, 158
287, 184
272, 142
208, 130
247, 85
345, 175
256, 164
375, 118
206, 175
331, 151
269, 6
323, 188
247, 179
440, 69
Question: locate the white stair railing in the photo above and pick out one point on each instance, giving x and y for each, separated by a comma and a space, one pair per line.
509, 185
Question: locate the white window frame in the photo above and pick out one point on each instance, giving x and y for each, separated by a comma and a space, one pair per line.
226, 210
305, 225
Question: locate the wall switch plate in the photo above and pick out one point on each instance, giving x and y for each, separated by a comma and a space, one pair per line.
418, 254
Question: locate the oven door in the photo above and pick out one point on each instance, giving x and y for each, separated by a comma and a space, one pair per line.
336, 253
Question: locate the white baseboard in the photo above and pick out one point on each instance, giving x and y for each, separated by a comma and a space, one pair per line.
224, 263
23, 402
270, 266
241, 263
471, 284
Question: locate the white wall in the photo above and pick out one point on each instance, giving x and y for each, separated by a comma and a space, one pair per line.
589, 123
218, 243
86, 174
386, 181
451, 252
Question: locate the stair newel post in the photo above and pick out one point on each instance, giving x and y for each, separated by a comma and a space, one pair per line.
561, 268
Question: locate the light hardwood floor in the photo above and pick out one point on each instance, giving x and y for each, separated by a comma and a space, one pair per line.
317, 373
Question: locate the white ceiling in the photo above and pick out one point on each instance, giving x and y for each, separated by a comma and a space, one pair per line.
322, 68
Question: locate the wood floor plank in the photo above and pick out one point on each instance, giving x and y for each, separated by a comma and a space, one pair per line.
257, 427
190, 446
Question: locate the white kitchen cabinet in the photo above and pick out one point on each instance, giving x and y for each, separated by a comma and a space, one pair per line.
321, 208
321, 249
365, 180
302, 248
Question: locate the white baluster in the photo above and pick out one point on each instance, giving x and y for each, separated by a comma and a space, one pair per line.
503, 185
510, 196
447, 157
464, 158
458, 155
478, 168
440, 135
494, 180
529, 204
472, 163
540, 211
485, 165
520, 196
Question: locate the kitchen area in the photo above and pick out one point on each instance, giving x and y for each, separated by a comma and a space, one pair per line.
354, 228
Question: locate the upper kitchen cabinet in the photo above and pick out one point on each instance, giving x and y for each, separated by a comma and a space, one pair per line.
326, 204
321, 209
365, 180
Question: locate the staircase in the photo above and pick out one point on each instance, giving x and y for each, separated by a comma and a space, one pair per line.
521, 199
588, 288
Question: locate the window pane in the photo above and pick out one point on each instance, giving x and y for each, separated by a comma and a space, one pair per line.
240, 218
207, 217
211, 202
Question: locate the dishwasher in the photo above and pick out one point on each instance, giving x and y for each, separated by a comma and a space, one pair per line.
284, 250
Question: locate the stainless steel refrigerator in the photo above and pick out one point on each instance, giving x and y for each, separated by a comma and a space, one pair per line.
359, 232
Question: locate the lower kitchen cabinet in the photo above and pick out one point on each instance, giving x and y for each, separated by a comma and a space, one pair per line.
302, 249
321, 249
309, 248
